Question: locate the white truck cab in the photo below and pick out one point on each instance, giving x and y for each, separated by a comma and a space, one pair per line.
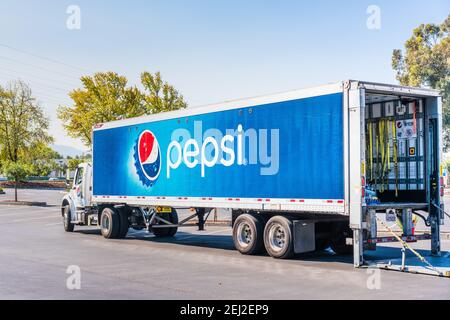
76, 204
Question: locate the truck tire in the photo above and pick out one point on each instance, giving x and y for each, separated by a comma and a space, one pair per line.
338, 242
278, 237
68, 225
166, 232
110, 223
124, 224
174, 220
248, 234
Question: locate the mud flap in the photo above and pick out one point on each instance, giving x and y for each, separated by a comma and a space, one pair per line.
304, 236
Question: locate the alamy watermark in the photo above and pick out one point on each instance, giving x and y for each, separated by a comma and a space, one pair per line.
234, 146
73, 281
374, 20
73, 21
374, 279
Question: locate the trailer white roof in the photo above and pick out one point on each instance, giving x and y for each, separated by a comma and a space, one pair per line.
397, 89
267, 99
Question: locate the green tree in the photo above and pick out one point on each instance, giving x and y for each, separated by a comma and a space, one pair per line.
72, 164
104, 97
87, 156
160, 96
426, 61
107, 97
42, 159
16, 171
61, 169
43, 167
23, 126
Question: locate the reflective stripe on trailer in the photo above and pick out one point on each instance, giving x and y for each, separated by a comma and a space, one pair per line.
278, 200
277, 204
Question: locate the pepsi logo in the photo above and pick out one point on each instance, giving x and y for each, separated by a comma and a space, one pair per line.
148, 156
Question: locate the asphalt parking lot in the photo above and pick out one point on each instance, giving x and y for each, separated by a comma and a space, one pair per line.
36, 253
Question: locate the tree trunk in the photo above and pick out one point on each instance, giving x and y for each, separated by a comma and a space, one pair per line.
15, 190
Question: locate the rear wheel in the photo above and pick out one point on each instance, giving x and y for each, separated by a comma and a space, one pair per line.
278, 237
172, 217
248, 231
68, 225
110, 223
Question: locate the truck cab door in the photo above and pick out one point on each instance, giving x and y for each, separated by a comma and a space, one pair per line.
87, 185
78, 191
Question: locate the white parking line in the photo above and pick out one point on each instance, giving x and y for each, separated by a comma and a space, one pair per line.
28, 213
53, 224
9, 208
40, 218
6, 207
27, 208
30, 219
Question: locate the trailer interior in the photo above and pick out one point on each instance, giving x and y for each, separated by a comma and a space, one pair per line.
403, 179
396, 156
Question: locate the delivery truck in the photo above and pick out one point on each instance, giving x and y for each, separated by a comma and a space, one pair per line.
299, 171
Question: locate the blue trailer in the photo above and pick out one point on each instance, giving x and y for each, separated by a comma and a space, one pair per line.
301, 170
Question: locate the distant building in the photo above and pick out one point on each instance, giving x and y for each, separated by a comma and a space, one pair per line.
60, 171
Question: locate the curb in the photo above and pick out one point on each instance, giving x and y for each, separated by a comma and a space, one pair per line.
24, 203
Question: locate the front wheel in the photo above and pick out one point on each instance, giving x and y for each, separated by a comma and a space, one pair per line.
68, 225
110, 223
278, 237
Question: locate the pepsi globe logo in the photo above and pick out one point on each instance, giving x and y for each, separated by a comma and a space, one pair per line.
148, 158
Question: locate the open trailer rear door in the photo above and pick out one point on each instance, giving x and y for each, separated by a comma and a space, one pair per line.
397, 164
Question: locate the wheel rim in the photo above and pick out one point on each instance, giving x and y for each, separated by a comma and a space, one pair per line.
65, 217
105, 222
244, 234
277, 237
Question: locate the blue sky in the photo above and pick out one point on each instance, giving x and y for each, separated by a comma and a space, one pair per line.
210, 50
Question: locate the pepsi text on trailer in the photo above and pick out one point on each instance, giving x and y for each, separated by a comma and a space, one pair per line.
210, 148
214, 147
